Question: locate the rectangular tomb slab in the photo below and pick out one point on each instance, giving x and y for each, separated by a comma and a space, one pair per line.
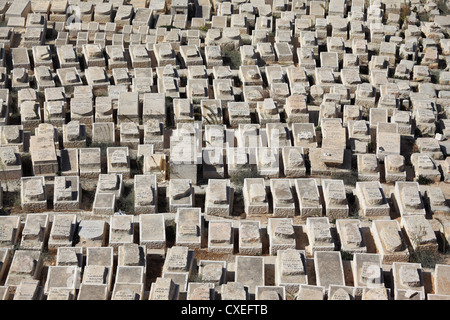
270, 293
329, 269
407, 281
91, 233
250, 242
28, 290
128, 291
132, 254
178, 265
9, 231
255, 197
290, 270
219, 198
420, 234
163, 289
442, 279
212, 271
5, 259
310, 292
250, 272
152, 231
189, 227
350, 235
180, 194
234, 291
283, 198
69, 256
371, 199
93, 292
145, 194
308, 197
319, 235
220, 236
389, 241
281, 234
121, 230
63, 277
336, 206
408, 199
367, 270
35, 232
26, 265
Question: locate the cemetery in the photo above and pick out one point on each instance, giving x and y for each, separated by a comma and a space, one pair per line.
224, 150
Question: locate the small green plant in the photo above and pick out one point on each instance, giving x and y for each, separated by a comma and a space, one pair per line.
231, 58
168, 27
346, 255
424, 180
212, 116
204, 28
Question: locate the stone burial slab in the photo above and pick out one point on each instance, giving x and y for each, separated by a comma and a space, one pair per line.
189, 227
308, 197
389, 241
93, 292
420, 234
178, 265
283, 198
121, 230
33, 194
442, 279
336, 292
35, 232
69, 256
380, 293
145, 194
219, 198
336, 206
212, 271
319, 235
220, 236
350, 235
163, 289
180, 194
371, 199
367, 270
329, 268
5, 260
407, 281
67, 195
9, 231
91, 233
281, 234
270, 293
152, 231
63, 277
255, 197
200, 291
310, 292
61, 294
26, 265
234, 291
28, 289
290, 270
250, 242
128, 291
408, 199
130, 274
250, 272
132, 254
